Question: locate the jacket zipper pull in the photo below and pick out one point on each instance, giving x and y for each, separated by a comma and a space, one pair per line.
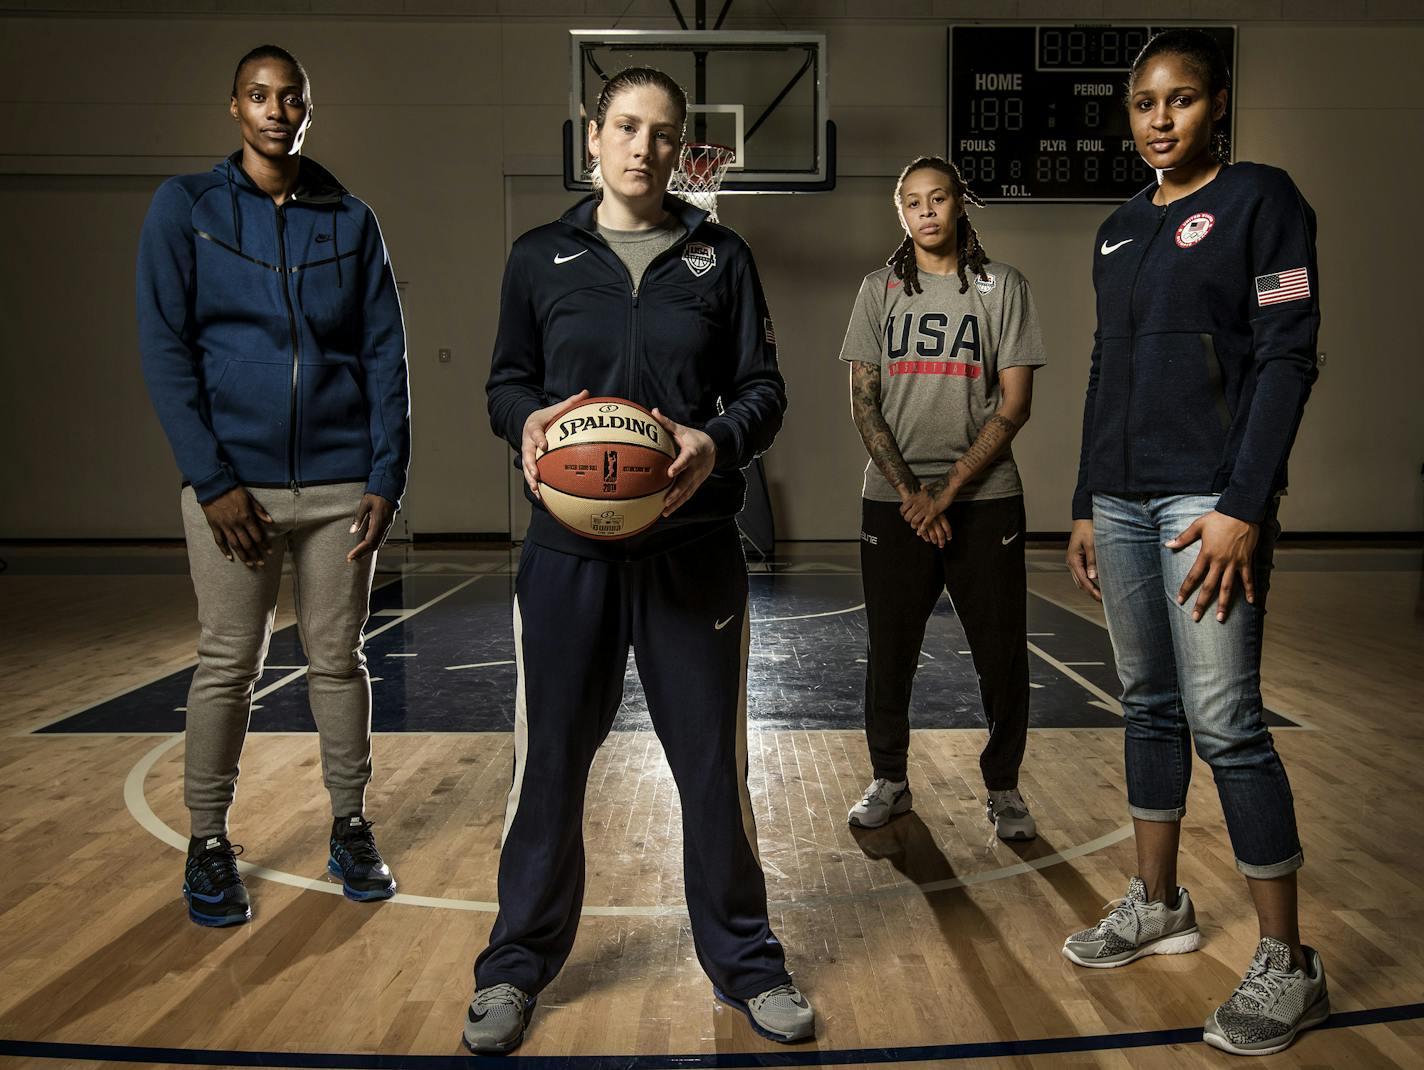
296, 489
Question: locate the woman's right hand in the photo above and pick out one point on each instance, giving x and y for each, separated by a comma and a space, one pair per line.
236, 521
534, 441
1083, 559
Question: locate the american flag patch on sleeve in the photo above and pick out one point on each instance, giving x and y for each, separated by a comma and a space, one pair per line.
1282, 286
770, 331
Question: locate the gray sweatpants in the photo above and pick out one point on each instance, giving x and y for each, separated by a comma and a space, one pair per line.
236, 605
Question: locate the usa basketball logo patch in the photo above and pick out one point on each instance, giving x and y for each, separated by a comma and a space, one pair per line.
699, 258
985, 284
1194, 229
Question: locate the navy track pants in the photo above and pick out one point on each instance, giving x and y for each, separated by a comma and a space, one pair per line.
684, 612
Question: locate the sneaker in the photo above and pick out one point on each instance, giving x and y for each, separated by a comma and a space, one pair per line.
883, 800
354, 858
497, 1018
781, 1013
211, 884
1273, 1003
1135, 928
1009, 815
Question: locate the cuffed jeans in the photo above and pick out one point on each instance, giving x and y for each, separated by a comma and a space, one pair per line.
1188, 682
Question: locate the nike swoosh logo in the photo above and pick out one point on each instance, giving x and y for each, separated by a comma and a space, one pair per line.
206, 898
1106, 248
1016, 534
323, 237
565, 259
723, 623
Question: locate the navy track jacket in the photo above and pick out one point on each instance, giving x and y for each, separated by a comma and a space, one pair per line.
1208, 311
695, 340
272, 339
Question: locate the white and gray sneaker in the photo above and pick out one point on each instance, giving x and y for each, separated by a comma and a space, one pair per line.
1273, 1003
496, 1019
781, 1013
1009, 814
1134, 928
883, 800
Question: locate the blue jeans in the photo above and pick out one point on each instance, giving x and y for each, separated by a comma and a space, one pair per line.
1186, 682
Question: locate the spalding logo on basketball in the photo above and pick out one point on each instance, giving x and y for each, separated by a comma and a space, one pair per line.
605, 472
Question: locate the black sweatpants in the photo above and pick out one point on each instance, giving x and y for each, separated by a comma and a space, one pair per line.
685, 614
983, 567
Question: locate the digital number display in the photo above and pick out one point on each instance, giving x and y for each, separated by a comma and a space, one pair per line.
1037, 113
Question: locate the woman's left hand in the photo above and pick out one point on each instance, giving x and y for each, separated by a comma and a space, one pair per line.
376, 515
1227, 547
696, 457
921, 508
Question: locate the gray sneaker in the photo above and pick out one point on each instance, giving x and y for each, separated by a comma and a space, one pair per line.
883, 800
496, 1019
1010, 816
1135, 928
781, 1013
1273, 1003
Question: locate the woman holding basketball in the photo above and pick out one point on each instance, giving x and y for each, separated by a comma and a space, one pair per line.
942, 346
635, 294
1203, 359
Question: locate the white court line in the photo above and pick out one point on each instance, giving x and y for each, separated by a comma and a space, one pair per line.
479, 665
137, 804
1106, 701
806, 616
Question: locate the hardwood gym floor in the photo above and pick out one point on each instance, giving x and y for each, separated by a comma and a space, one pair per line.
925, 941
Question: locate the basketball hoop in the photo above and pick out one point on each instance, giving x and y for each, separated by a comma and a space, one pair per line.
699, 175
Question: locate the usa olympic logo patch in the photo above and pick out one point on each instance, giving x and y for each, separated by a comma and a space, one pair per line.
1194, 229
985, 283
699, 258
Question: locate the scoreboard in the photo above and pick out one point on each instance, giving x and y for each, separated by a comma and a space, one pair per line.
1038, 113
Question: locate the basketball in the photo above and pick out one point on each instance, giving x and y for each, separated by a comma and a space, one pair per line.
605, 472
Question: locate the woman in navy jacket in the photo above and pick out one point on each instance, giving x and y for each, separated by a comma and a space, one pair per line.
1208, 308
635, 294
274, 353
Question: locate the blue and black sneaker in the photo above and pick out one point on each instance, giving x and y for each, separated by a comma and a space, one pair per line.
211, 884
356, 861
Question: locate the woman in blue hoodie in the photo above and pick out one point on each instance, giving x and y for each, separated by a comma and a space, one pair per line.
1208, 310
274, 352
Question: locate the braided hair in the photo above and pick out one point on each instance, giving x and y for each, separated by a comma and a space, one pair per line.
968, 249
1200, 51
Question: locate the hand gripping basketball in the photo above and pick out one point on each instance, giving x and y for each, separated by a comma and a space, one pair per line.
534, 440
605, 467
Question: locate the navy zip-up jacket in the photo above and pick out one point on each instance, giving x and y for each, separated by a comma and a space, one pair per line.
272, 339
695, 340
1204, 356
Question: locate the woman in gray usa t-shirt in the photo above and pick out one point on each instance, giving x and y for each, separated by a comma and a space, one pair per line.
942, 345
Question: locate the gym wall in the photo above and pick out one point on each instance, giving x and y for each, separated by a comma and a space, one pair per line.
446, 118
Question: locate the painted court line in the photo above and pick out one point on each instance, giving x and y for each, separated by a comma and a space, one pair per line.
136, 801
985, 1049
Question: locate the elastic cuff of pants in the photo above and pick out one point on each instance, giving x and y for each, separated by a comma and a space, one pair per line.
1278, 869
207, 823
1143, 814
347, 802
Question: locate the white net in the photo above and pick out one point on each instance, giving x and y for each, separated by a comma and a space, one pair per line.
699, 175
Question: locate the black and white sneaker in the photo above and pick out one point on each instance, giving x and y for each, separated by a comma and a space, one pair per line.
1274, 1002
355, 859
212, 885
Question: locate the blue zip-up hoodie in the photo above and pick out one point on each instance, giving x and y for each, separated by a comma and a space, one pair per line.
1204, 356
695, 340
272, 340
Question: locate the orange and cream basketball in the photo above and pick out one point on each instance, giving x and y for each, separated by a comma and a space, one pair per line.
605, 472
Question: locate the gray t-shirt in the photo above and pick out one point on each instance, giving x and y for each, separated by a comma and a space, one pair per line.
940, 353
639, 248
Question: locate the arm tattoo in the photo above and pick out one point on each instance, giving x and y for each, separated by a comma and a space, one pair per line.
874, 431
993, 438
